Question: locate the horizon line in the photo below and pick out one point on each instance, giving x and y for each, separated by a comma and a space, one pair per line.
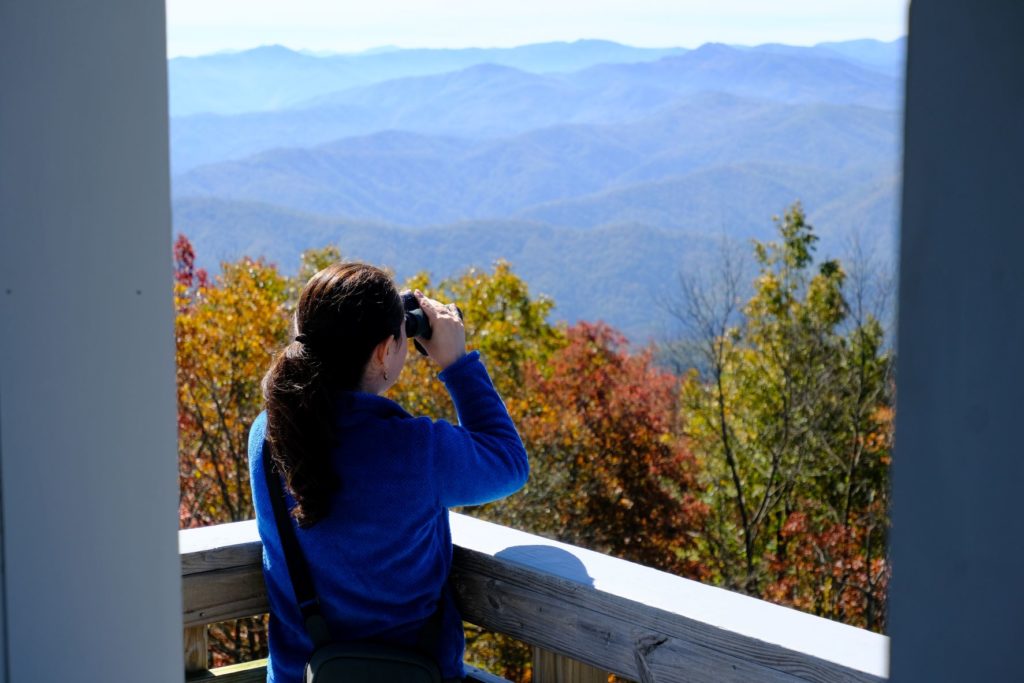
381, 49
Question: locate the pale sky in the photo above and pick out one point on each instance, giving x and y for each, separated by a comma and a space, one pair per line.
204, 26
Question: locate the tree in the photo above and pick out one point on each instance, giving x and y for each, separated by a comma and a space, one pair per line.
791, 424
311, 262
610, 471
600, 423
503, 321
226, 331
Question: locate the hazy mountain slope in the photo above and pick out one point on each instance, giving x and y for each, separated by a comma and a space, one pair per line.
272, 77
868, 213
388, 176
617, 274
728, 199
476, 102
420, 180
807, 77
487, 100
736, 201
888, 57
718, 129
884, 56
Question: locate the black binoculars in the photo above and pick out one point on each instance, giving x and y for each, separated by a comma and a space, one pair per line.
417, 326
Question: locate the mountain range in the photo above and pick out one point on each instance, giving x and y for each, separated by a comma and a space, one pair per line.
604, 179
488, 100
274, 76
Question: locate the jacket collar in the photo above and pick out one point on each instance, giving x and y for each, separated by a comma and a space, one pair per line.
356, 406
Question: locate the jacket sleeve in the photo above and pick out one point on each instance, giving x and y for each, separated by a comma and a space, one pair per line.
483, 458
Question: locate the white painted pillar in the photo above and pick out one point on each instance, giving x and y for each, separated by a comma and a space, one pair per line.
91, 583
957, 599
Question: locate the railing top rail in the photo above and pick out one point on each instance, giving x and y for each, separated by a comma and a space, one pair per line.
715, 607
626, 618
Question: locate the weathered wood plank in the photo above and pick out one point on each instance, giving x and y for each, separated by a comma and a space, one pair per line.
197, 649
549, 667
222, 546
584, 625
636, 621
223, 594
621, 617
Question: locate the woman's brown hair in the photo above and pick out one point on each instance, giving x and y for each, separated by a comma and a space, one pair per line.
343, 313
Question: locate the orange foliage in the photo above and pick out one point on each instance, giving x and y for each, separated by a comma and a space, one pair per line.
601, 429
832, 570
226, 332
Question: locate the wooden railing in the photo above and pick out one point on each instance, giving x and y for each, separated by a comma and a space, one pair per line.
586, 613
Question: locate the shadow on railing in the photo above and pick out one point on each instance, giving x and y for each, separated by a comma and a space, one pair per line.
586, 613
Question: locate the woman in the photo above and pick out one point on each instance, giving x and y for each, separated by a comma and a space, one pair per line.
370, 484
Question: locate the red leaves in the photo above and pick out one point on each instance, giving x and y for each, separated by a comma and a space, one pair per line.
832, 570
185, 271
602, 424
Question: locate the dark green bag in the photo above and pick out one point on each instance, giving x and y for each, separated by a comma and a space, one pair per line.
333, 662
350, 663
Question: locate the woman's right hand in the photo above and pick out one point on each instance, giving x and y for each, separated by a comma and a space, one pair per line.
447, 341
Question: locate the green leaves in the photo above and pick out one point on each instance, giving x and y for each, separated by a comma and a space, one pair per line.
794, 422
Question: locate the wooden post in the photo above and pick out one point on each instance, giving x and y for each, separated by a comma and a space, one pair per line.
549, 667
197, 650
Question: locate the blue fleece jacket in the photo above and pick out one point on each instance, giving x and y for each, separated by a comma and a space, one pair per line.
380, 558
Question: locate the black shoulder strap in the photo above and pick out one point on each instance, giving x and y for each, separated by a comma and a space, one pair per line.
298, 570
302, 581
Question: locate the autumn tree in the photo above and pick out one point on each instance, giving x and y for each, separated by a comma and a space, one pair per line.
600, 422
226, 330
610, 469
791, 424
507, 324
311, 261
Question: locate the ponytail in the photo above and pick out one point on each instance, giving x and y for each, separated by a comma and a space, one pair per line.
344, 312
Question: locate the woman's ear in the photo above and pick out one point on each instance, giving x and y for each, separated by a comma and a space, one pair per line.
380, 352
394, 345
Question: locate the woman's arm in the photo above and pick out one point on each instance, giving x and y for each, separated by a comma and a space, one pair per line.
483, 458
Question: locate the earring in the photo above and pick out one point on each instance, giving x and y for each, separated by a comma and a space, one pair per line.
385, 375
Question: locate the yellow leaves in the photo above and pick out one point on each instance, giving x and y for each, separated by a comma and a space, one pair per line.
225, 335
503, 321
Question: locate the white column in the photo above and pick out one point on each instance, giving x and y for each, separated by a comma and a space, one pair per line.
91, 583
957, 599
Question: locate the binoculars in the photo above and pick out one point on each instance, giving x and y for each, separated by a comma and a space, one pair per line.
417, 326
